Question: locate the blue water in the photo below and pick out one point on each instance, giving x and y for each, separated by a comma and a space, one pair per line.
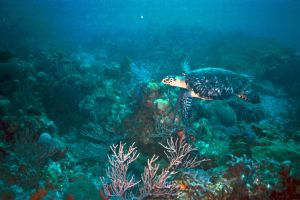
76, 21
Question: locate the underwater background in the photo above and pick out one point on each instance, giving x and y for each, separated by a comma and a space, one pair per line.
84, 113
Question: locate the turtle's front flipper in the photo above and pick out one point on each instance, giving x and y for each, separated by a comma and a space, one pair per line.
249, 96
186, 105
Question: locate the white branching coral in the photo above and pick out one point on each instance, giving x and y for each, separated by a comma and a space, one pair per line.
178, 154
117, 172
154, 184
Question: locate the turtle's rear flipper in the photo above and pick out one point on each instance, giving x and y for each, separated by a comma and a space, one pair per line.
186, 105
249, 96
185, 66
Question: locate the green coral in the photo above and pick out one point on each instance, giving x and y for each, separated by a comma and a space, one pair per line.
276, 150
83, 189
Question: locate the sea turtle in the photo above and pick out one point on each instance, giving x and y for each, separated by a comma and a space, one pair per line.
210, 84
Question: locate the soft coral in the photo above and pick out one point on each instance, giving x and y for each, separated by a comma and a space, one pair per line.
291, 187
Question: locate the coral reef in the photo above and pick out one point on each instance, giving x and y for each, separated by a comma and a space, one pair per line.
61, 112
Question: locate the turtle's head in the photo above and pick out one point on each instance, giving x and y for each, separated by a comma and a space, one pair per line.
170, 80
175, 81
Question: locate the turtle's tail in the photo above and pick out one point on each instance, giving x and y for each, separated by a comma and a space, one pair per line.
249, 96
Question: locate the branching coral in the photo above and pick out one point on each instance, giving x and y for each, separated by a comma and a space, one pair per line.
117, 172
157, 185
154, 184
161, 185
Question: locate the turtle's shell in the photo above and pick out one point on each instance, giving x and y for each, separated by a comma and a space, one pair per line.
215, 83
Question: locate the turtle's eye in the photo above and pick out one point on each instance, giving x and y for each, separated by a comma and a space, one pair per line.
169, 80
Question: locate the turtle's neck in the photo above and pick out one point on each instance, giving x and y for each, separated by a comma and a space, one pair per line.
181, 82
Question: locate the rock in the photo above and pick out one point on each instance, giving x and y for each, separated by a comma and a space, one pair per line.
93, 132
4, 106
276, 150
220, 113
153, 87
7, 194
87, 190
97, 106
296, 136
161, 105
203, 127
275, 108
33, 110
41, 76
48, 124
125, 64
45, 138
65, 95
105, 107
286, 164
5, 56
112, 71
8, 70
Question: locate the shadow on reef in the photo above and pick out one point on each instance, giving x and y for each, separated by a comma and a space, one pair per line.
5, 56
